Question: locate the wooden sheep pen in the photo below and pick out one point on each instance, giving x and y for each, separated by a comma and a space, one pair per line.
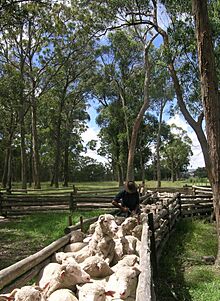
161, 219
17, 203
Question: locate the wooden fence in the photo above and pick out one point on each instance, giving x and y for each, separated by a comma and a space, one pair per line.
201, 190
22, 204
161, 218
15, 203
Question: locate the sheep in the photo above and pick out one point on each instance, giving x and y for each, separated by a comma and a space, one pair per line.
96, 267
92, 227
126, 245
76, 236
27, 293
127, 299
127, 260
101, 243
137, 231
127, 226
94, 291
74, 247
134, 245
121, 248
62, 257
119, 220
62, 295
67, 275
123, 282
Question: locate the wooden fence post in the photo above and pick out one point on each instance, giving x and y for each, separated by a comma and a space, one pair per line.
81, 224
153, 254
72, 203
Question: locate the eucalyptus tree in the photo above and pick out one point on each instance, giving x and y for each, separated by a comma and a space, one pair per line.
210, 98
123, 76
176, 152
68, 90
9, 91
20, 42
162, 94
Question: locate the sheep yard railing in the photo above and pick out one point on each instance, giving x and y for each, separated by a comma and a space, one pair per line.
17, 203
162, 213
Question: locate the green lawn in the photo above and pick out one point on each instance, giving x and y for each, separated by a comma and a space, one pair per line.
86, 186
183, 276
21, 237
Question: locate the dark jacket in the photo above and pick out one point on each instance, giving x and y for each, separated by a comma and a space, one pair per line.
129, 200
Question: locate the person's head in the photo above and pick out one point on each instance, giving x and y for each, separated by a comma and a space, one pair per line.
130, 186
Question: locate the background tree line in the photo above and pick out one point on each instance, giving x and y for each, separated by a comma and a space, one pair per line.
56, 57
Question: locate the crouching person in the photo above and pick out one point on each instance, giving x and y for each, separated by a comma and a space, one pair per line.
127, 200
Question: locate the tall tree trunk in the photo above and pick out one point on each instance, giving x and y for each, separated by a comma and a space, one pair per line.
124, 107
195, 125
137, 122
5, 170
162, 105
23, 152
66, 164
210, 99
58, 144
36, 159
142, 167
8, 153
120, 175
31, 163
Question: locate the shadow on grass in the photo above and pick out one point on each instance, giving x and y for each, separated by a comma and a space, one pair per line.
171, 284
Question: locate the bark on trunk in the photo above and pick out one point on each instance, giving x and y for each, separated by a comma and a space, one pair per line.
210, 99
23, 153
146, 103
195, 125
36, 159
162, 105
8, 154
58, 140
66, 164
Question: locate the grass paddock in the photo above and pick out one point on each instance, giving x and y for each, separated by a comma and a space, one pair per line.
183, 275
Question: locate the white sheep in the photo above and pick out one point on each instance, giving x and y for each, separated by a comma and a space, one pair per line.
126, 245
96, 267
137, 231
54, 276
62, 257
123, 282
74, 247
76, 236
27, 293
101, 243
134, 244
62, 294
94, 291
127, 226
127, 260
92, 227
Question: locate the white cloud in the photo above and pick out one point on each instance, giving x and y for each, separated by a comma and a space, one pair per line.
197, 159
92, 134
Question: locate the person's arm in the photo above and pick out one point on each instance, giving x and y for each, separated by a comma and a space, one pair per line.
116, 202
118, 205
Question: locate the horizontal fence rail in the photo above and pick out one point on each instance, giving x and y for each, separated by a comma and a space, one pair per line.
162, 212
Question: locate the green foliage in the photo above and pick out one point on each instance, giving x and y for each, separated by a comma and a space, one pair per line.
183, 275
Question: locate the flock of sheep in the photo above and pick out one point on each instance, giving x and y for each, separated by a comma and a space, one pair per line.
100, 266
103, 265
